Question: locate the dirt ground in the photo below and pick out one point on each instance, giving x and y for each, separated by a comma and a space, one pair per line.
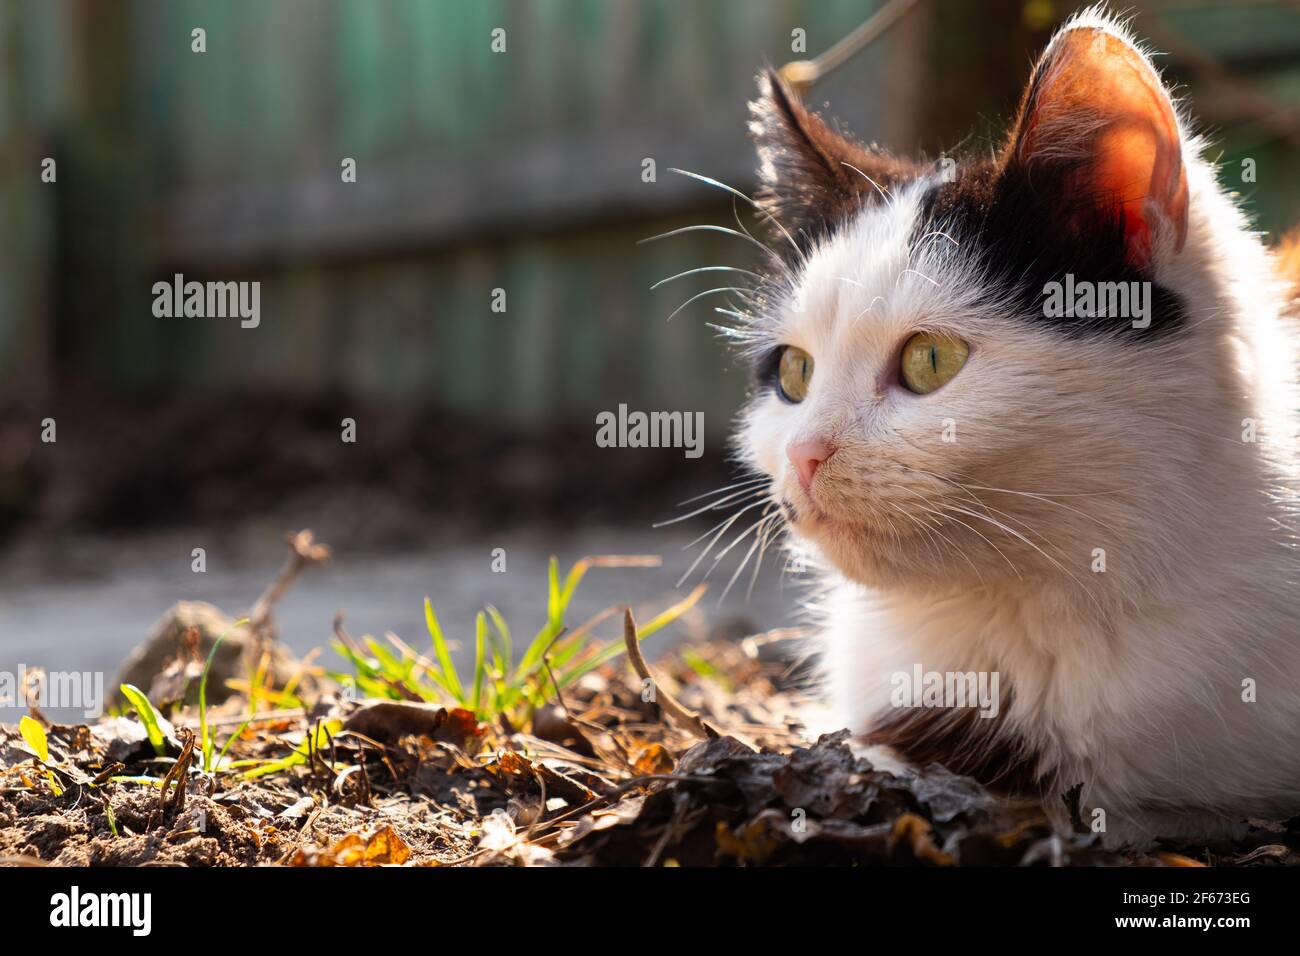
603, 777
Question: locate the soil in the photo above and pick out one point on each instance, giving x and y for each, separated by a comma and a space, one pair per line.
601, 778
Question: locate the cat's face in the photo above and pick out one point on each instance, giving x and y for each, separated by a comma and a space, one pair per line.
923, 418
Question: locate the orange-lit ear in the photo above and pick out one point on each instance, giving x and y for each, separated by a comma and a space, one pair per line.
1100, 127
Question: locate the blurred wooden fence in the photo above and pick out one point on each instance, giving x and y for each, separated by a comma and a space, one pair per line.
476, 170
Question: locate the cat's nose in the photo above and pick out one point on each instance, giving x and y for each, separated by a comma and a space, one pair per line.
806, 455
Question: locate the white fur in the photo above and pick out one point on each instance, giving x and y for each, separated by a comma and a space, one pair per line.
1130, 681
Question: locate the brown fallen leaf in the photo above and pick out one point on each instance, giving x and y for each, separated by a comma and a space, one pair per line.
382, 847
652, 758
517, 771
388, 721
386, 848
917, 835
752, 842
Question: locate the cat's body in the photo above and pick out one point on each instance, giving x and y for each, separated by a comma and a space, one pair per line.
1100, 510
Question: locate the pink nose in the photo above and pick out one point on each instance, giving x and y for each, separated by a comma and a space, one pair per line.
806, 455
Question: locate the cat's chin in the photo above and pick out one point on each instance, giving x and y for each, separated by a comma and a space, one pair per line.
871, 554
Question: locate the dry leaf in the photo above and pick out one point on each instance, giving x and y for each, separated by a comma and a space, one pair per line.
383, 847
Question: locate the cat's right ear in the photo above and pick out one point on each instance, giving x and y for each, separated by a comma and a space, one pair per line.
810, 176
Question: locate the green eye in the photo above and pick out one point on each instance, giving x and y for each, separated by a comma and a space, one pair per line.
931, 360
794, 373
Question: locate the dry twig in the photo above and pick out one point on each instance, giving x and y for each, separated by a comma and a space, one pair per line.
688, 720
303, 551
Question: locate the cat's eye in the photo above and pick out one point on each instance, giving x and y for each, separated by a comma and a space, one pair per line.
793, 373
931, 360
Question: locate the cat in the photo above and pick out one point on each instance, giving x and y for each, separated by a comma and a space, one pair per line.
1096, 505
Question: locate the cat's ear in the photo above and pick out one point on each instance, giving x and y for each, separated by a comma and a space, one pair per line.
1098, 140
810, 176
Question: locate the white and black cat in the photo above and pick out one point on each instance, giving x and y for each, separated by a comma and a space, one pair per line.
1100, 509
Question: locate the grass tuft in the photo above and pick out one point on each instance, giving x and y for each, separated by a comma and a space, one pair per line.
500, 687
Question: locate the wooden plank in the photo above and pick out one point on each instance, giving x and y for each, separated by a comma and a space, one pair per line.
557, 181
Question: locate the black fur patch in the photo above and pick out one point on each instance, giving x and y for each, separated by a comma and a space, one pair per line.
1029, 231
963, 742
812, 178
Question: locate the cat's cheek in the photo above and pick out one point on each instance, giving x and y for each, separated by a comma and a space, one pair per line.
764, 437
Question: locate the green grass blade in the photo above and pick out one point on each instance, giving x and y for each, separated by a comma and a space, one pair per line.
393, 667
615, 648
533, 655
300, 754
480, 659
148, 716
552, 590
501, 643
230, 740
443, 654
204, 737
571, 583
148, 781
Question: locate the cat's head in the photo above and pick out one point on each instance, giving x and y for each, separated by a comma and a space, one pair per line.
924, 415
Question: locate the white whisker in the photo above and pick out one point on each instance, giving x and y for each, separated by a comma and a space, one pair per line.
868, 179
724, 230
691, 272
725, 288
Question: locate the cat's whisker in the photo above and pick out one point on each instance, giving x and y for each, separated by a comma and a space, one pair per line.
767, 516
767, 216
712, 506
876, 185
730, 519
936, 535
871, 305
721, 529
1036, 494
1011, 564
731, 332
1040, 496
773, 527
758, 479
916, 273
980, 503
1016, 534
691, 272
708, 227
930, 541
783, 269
939, 233
739, 538
762, 538
725, 288
1045, 499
